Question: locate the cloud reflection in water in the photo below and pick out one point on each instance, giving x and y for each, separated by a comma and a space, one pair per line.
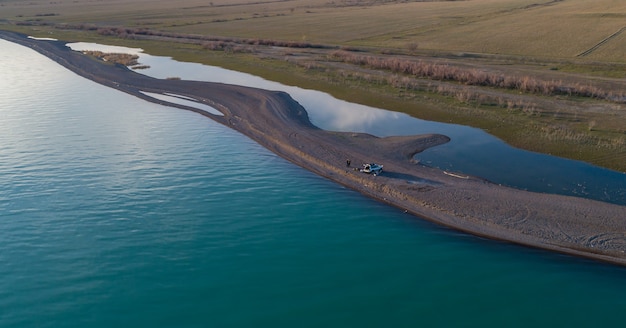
471, 151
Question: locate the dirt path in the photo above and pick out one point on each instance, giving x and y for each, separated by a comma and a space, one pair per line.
568, 225
601, 43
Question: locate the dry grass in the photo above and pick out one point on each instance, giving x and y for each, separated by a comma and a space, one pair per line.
544, 28
118, 58
472, 76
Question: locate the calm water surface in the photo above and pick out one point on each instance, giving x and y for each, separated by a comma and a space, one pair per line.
115, 212
471, 151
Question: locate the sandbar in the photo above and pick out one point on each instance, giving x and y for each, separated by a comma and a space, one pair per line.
564, 224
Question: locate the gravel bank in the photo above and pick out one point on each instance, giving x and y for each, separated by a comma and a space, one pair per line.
569, 225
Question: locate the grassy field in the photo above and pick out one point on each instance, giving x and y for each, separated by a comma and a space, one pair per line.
543, 28
545, 75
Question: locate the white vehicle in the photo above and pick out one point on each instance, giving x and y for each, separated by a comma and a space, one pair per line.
372, 168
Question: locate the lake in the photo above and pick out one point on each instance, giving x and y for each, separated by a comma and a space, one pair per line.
119, 212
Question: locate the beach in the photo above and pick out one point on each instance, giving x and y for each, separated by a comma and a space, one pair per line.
569, 225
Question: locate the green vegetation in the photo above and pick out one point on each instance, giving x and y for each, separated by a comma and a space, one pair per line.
544, 75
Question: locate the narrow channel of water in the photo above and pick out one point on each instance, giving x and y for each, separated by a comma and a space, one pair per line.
471, 151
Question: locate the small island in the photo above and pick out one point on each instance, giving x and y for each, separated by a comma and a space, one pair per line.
569, 225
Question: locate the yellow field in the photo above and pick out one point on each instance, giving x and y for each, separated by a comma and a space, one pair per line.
542, 28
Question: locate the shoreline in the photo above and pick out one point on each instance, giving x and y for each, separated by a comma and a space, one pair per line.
565, 224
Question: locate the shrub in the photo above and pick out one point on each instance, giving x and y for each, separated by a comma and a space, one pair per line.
446, 72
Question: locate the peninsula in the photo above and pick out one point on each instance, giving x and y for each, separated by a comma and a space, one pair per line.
569, 225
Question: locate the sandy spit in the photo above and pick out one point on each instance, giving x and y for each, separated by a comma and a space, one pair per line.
569, 225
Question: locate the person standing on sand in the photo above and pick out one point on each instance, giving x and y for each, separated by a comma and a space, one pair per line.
348, 163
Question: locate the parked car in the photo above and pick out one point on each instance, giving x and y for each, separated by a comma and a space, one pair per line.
372, 168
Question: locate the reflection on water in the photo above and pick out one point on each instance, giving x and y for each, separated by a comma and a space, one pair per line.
471, 151
42, 39
110, 205
182, 100
86, 46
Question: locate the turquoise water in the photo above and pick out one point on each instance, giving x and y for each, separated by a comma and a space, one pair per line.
115, 212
